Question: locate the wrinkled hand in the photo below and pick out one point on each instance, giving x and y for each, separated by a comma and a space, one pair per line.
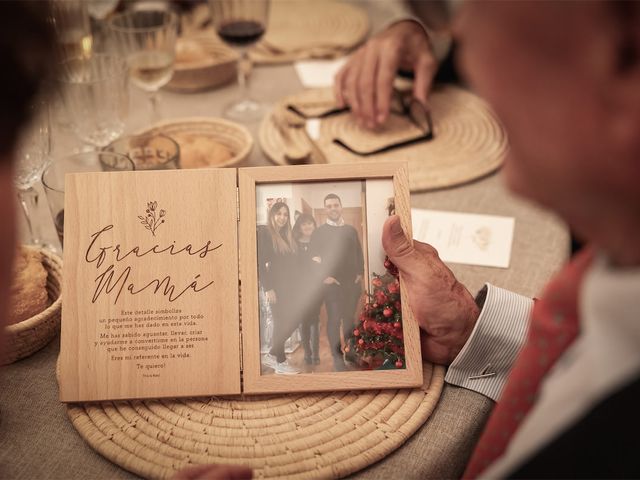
365, 82
444, 308
214, 472
271, 297
331, 281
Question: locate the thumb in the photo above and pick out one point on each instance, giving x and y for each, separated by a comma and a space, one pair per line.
399, 248
423, 77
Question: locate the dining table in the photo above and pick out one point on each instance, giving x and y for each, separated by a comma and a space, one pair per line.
37, 440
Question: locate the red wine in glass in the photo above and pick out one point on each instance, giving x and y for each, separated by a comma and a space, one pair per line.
241, 33
240, 24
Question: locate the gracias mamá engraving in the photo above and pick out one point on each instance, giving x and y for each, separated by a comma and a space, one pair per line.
111, 279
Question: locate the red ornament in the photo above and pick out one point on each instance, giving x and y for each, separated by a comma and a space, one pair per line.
381, 298
391, 268
376, 282
393, 287
396, 325
398, 305
356, 332
361, 342
387, 312
399, 364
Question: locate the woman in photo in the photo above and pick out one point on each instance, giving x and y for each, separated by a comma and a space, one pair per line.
308, 289
277, 264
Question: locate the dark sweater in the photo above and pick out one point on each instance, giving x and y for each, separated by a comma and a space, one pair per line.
276, 270
340, 251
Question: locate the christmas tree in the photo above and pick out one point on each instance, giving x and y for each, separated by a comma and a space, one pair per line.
377, 338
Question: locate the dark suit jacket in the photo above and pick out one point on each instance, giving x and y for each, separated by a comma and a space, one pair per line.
605, 443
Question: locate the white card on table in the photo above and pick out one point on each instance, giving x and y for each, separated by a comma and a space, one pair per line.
467, 238
318, 73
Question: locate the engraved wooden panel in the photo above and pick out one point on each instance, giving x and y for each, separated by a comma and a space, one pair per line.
150, 285
254, 380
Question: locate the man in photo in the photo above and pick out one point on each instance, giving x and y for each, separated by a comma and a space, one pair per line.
337, 246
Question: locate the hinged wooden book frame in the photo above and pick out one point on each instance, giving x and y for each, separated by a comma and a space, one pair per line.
154, 264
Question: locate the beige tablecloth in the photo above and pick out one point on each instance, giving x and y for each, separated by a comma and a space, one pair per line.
38, 441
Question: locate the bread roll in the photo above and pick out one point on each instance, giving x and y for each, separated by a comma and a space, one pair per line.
28, 295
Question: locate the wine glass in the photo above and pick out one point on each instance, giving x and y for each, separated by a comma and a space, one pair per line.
32, 156
147, 39
96, 96
241, 23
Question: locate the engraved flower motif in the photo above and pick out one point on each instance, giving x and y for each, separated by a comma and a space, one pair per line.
153, 219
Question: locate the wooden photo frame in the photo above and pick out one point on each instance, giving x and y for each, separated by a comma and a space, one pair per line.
262, 191
154, 265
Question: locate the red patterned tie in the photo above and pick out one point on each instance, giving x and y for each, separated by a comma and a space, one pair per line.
554, 326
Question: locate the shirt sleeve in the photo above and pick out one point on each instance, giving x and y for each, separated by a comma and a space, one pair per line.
394, 11
485, 361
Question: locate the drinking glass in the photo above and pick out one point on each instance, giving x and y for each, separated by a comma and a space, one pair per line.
149, 151
241, 23
147, 39
32, 156
53, 178
96, 97
71, 23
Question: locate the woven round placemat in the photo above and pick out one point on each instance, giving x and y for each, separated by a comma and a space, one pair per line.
310, 29
27, 337
469, 142
319, 435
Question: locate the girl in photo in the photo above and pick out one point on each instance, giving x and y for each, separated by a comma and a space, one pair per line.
277, 264
309, 288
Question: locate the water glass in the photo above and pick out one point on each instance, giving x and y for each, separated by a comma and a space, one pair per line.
32, 156
53, 178
70, 19
149, 151
96, 97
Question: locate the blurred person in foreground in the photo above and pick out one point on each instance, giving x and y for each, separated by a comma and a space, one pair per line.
26, 41
564, 77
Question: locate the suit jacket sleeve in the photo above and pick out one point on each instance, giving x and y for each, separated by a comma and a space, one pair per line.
359, 254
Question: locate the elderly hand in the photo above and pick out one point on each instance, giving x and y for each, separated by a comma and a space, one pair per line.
444, 308
214, 472
365, 83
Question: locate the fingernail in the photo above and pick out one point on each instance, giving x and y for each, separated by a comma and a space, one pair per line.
395, 227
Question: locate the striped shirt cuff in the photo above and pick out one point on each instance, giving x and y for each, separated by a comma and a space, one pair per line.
484, 362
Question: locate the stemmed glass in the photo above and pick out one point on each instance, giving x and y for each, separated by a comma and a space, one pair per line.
32, 157
96, 97
241, 23
147, 39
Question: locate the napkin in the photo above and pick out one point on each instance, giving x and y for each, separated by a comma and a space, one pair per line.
318, 73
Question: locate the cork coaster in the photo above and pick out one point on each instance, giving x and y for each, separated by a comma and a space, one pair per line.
322, 435
309, 29
469, 141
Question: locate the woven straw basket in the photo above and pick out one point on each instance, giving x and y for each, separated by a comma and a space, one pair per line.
30, 335
234, 136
